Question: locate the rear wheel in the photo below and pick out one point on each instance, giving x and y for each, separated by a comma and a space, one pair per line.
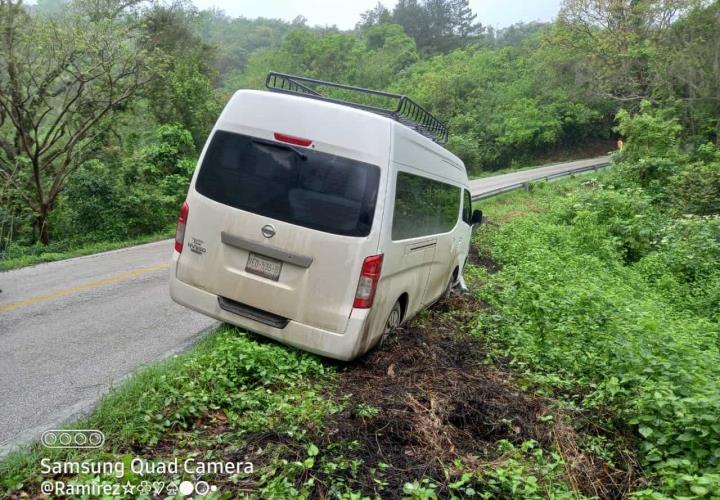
392, 322
394, 318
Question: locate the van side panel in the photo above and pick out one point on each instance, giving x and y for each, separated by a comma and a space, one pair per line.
418, 267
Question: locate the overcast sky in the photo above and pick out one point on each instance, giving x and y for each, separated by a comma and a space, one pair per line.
345, 13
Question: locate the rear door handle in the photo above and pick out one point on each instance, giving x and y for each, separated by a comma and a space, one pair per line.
268, 250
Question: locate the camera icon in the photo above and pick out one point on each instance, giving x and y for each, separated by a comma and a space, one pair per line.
72, 438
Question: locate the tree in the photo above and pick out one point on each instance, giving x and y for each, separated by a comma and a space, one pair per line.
377, 15
61, 81
463, 20
183, 92
620, 39
412, 16
688, 71
388, 52
438, 25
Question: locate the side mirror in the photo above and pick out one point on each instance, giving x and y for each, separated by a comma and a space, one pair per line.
476, 218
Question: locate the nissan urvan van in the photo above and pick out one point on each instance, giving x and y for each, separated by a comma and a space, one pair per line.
320, 222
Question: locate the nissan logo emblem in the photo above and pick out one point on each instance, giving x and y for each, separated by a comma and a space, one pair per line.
268, 231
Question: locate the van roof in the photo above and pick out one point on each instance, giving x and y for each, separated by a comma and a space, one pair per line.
399, 107
361, 130
309, 103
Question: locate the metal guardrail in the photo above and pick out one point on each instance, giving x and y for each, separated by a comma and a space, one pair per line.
526, 183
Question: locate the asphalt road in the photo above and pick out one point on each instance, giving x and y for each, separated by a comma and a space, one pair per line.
70, 330
488, 186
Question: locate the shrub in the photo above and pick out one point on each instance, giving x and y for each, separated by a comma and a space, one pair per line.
141, 196
650, 174
696, 189
92, 205
623, 218
685, 266
612, 338
651, 133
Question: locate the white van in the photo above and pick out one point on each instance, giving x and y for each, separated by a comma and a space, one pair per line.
320, 224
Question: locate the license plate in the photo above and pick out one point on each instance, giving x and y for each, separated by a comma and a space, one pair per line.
263, 266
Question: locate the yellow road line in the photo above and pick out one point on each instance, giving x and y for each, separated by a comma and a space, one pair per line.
81, 288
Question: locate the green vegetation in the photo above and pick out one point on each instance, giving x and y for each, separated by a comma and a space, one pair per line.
28, 256
588, 363
229, 380
608, 299
313, 429
103, 153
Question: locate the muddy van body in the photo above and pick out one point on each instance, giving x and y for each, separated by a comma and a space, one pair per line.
318, 224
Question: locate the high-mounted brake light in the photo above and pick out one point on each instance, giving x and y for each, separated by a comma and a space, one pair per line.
367, 285
291, 139
180, 231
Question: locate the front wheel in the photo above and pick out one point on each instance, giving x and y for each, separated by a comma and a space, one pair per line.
448, 288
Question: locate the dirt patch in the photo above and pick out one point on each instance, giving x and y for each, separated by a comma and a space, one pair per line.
490, 265
431, 377
417, 404
427, 398
413, 406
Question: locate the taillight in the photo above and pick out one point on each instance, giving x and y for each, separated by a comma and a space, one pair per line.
369, 277
180, 231
291, 139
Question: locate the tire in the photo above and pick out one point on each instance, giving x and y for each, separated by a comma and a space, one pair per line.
393, 321
448, 288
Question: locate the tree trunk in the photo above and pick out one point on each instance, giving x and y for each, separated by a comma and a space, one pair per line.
43, 223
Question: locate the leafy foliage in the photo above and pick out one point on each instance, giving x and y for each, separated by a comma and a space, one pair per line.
499, 105
231, 372
116, 201
608, 296
247, 384
61, 79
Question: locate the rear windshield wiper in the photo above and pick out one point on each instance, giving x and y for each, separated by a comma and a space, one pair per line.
286, 147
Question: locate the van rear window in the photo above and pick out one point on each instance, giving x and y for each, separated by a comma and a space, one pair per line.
292, 184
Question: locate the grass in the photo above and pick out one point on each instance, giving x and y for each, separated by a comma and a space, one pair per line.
589, 310
27, 256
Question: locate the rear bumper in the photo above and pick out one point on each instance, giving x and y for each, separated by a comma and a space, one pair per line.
342, 346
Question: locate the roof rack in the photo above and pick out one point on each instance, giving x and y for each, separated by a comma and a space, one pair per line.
401, 108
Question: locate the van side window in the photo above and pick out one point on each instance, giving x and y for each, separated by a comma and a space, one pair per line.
423, 207
467, 207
